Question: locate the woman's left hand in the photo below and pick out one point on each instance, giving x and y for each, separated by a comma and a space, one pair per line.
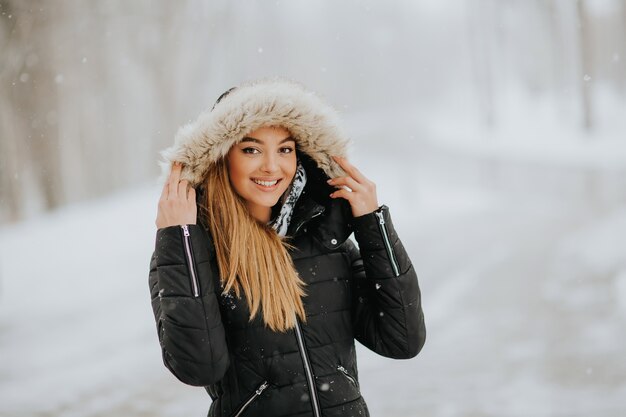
362, 198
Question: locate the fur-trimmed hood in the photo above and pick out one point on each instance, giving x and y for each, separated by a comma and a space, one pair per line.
264, 102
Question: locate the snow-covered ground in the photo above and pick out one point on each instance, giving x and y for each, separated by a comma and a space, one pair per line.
524, 299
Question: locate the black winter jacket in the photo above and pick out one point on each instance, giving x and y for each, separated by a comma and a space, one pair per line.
369, 293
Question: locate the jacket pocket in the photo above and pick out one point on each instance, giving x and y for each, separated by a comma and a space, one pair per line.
250, 399
347, 375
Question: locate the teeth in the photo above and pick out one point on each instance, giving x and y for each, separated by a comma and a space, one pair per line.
265, 183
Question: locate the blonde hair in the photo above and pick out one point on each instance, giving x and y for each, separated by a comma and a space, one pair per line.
251, 256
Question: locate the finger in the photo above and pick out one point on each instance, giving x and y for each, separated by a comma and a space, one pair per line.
351, 169
347, 181
348, 195
182, 189
165, 191
173, 182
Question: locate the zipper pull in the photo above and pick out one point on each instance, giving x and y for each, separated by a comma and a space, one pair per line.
185, 229
345, 372
381, 218
261, 388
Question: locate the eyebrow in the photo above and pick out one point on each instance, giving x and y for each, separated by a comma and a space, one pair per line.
255, 140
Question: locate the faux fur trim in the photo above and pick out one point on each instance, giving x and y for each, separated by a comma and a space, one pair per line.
264, 102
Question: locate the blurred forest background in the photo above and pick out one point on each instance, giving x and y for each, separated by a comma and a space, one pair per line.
90, 91
494, 129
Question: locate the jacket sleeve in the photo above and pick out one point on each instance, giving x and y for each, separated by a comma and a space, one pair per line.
185, 305
387, 309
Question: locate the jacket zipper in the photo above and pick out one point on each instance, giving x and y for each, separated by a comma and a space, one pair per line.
188, 252
253, 397
308, 370
383, 230
345, 372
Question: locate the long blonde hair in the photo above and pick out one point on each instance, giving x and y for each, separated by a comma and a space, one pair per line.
251, 256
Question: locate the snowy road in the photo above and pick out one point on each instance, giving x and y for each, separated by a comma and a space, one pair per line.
524, 302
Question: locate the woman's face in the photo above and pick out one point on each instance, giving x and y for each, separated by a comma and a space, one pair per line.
261, 167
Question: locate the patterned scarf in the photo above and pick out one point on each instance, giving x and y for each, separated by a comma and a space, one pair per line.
288, 200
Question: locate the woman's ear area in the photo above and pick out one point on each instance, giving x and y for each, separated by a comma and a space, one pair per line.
227, 156
188, 174
334, 170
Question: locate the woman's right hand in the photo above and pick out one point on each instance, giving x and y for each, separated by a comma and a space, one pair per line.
177, 205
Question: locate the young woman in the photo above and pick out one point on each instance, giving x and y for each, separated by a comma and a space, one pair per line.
257, 291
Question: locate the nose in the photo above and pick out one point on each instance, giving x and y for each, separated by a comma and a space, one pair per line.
270, 163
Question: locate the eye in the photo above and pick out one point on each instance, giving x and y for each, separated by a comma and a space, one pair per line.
286, 149
250, 150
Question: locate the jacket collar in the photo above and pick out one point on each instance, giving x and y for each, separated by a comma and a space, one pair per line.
305, 210
334, 215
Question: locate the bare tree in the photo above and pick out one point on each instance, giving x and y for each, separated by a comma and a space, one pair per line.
10, 155
585, 63
481, 34
29, 87
622, 57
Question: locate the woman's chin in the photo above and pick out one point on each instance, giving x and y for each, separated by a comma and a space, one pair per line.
266, 202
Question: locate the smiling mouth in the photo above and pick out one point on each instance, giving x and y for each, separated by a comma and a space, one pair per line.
266, 184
